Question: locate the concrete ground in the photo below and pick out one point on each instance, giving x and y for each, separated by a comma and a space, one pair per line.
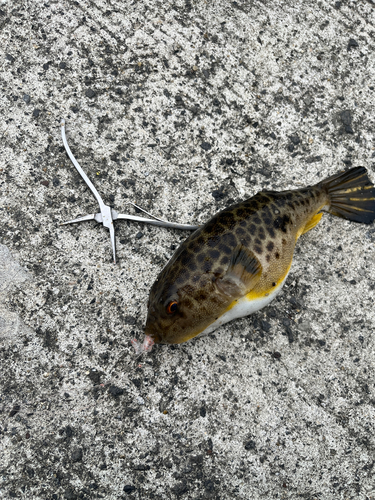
181, 106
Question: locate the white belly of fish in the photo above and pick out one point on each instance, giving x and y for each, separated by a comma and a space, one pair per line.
244, 307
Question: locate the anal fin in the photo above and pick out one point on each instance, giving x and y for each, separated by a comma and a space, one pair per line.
312, 222
243, 273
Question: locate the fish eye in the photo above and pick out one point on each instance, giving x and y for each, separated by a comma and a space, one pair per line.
172, 307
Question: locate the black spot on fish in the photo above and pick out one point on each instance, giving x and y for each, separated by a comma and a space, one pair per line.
201, 257
224, 248
252, 204
281, 223
258, 242
226, 219
270, 246
224, 260
271, 232
268, 257
266, 210
192, 266
273, 284
261, 198
229, 239
182, 277
219, 229
212, 242
193, 246
261, 234
207, 266
240, 231
258, 249
214, 254
252, 229
241, 212
210, 227
256, 220
267, 220
277, 255
185, 259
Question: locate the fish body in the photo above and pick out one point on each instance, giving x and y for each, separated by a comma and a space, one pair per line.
238, 261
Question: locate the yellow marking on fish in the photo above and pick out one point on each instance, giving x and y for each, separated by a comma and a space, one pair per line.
361, 209
356, 179
354, 189
311, 224
254, 295
362, 199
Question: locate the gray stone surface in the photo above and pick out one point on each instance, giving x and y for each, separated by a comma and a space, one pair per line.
181, 107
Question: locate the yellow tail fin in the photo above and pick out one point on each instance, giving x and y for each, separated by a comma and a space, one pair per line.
351, 195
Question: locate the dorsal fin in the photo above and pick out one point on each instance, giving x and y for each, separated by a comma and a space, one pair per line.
243, 273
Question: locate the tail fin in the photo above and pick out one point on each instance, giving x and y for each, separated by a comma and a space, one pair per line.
351, 195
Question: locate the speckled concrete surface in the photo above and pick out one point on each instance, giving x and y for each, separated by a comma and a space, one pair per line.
181, 107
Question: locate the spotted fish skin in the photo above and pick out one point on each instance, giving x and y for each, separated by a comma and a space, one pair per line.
244, 253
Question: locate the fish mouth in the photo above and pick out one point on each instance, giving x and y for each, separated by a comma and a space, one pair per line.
153, 329
156, 337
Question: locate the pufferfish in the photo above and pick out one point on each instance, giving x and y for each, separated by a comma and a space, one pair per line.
238, 261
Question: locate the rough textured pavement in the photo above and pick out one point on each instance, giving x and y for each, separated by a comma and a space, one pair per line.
181, 107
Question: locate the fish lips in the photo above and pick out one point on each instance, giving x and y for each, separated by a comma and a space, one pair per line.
156, 337
152, 329
152, 332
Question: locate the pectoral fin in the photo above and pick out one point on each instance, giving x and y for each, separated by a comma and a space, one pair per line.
243, 273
